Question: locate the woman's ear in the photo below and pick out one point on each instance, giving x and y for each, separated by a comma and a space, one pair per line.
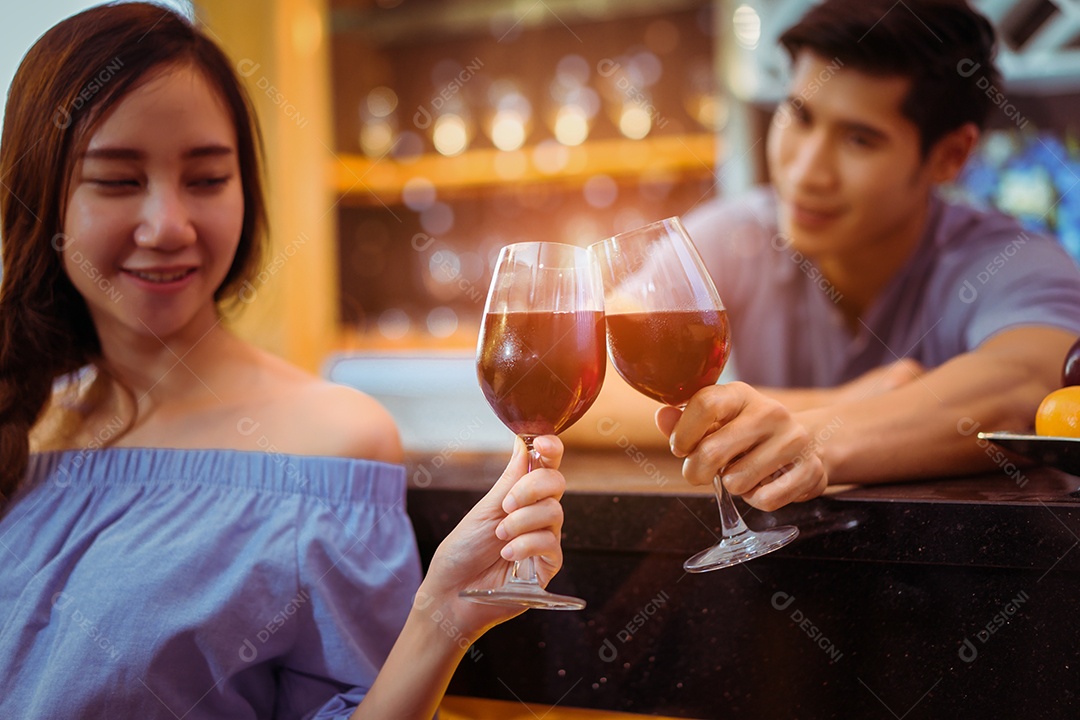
951, 152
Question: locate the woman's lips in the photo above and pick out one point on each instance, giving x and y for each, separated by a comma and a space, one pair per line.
160, 279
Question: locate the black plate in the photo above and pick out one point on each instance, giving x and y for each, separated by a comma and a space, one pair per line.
1060, 452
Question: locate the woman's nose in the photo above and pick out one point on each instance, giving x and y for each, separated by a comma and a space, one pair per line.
166, 222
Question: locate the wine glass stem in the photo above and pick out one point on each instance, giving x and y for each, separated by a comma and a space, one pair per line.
731, 523
524, 570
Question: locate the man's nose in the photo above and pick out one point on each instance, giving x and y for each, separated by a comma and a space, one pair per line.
812, 163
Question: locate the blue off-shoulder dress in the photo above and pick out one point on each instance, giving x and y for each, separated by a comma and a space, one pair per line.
160, 583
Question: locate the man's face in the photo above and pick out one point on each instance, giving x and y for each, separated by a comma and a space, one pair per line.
845, 162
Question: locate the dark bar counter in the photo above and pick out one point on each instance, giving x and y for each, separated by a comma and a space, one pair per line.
951, 598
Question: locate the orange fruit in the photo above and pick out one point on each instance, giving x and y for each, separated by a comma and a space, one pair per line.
1059, 413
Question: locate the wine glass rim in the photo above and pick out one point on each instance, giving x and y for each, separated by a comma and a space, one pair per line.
674, 219
527, 243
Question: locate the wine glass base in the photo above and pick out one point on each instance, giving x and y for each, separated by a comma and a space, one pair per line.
524, 595
734, 550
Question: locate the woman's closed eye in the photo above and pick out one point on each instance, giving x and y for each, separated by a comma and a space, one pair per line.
212, 181
115, 186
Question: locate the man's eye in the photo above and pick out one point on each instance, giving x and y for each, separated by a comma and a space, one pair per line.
860, 140
796, 113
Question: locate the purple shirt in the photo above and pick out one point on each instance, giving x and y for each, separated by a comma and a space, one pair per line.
973, 274
154, 583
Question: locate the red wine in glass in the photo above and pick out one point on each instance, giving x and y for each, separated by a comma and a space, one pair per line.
540, 361
668, 337
698, 343
540, 371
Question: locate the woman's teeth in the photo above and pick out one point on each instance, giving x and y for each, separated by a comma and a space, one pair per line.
160, 277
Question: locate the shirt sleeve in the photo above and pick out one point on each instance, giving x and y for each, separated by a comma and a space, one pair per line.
731, 235
1024, 281
726, 233
359, 565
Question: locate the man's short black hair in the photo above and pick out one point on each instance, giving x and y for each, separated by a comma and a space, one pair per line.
944, 46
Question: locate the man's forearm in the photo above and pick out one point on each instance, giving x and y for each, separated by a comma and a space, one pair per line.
927, 427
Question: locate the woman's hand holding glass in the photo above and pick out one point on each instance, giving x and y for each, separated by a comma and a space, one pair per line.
519, 518
540, 364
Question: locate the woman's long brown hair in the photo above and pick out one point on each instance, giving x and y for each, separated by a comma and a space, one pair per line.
69, 78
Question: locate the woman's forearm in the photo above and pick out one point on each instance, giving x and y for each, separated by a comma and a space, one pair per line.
414, 678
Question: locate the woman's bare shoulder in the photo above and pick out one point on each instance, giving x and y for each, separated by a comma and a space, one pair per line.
316, 417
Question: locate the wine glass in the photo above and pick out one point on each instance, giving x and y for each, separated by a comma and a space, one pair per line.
540, 361
668, 336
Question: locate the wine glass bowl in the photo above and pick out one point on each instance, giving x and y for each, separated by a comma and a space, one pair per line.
668, 336
540, 364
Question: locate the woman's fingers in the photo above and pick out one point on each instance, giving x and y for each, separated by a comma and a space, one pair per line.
503, 497
540, 543
667, 418
550, 448
546, 513
534, 487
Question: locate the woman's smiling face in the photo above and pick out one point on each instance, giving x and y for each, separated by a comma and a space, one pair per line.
155, 209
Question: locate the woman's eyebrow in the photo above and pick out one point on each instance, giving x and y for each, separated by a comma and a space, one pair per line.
126, 153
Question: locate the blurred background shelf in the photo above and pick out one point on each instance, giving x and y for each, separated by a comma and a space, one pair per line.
408, 141
364, 180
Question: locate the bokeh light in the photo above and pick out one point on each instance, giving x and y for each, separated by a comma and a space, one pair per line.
438, 219
600, 191
376, 138
394, 323
747, 25
571, 125
450, 135
442, 322
381, 101
418, 194
507, 130
634, 122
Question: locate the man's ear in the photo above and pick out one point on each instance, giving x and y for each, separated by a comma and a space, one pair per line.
951, 152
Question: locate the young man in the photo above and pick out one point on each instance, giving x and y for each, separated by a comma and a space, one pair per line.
889, 324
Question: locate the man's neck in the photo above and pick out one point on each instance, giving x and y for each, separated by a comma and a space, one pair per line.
859, 276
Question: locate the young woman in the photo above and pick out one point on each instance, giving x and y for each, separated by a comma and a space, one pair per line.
155, 562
